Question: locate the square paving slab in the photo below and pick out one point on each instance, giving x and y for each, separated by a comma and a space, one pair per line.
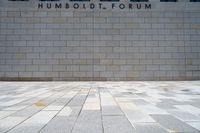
100, 107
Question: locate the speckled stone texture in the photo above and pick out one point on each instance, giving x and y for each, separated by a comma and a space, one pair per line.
100, 107
161, 43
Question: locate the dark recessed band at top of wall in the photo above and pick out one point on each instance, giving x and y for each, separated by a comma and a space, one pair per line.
89, 0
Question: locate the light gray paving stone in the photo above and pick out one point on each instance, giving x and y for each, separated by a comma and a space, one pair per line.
27, 112
168, 104
34, 123
10, 122
168, 94
6, 99
189, 108
60, 124
195, 125
108, 104
16, 107
118, 100
184, 116
195, 103
134, 114
70, 111
174, 125
150, 109
88, 121
111, 110
4, 114
12, 102
78, 100
53, 107
140, 102
117, 124
149, 128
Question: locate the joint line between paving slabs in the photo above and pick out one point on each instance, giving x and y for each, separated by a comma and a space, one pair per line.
121, 109
80, 110
29, 116
61, 108
27, 106
101, 109
34, 113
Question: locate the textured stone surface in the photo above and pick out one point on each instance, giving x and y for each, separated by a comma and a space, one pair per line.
100, 107
48, 44
173, 124
149, 128
117, 124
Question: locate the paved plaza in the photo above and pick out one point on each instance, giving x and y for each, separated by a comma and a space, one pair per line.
100, 107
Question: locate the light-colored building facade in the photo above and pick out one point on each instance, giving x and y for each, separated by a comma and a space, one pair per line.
99, 40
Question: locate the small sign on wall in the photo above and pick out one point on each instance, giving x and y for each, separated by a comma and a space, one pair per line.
95, 5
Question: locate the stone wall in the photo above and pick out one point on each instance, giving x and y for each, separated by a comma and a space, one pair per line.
161, 43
